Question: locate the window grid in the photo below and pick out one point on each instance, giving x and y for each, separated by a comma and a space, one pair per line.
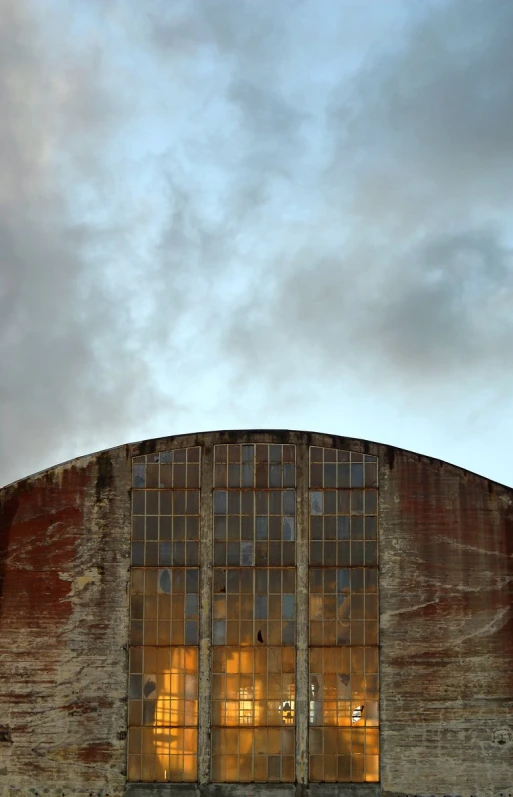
331, 468
254, 528
165, 527
344, 754
253, 606
343, 606
343, 617
255, 466
164, 617
258, 754
164, 606
162, 713
253, 614
177, 469
253, 686
341, 681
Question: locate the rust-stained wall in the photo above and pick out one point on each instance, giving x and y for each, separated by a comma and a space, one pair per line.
63, 629
446, 583
446, 575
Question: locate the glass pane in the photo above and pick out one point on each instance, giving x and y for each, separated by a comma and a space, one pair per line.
163, 683
253, 687
344, 687
255, 754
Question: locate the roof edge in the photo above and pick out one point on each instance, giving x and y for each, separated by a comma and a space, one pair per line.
143, 446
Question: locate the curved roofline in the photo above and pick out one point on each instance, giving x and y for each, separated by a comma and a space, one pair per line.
137, 448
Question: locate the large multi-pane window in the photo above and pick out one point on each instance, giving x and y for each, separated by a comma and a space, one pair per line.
219, 572
164, 615
253, 613
343, 616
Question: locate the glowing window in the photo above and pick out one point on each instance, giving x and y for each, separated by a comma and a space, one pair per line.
249, 623
253, 614
164, 617
343, 700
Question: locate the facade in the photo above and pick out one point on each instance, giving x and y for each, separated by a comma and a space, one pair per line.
256, 612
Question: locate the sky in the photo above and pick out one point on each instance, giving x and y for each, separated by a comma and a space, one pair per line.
221, 214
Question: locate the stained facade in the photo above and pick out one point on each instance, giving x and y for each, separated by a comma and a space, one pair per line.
256, 612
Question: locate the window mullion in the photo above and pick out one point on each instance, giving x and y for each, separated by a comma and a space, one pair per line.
302, 673
205, 629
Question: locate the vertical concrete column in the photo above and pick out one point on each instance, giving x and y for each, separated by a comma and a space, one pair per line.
302, 681
205, 647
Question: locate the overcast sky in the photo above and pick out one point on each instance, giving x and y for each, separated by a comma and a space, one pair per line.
256, 213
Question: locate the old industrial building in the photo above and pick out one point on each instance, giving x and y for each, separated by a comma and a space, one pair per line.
256, 612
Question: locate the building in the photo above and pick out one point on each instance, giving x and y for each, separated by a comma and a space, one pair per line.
256, 612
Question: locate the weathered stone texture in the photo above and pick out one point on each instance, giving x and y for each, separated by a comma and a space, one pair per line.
446, 575
63, 629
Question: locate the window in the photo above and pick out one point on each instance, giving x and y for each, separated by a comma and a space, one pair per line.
257, 500
164, 617
343, 737
253, 613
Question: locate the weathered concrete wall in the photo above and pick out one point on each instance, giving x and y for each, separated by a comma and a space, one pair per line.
446, 575
63, 629
446, 582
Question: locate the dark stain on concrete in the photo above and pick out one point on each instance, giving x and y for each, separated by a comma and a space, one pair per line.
105, 475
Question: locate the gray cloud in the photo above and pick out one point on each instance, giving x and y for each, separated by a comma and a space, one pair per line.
207, 204
452, 313
436, 118
67, 369
416, 288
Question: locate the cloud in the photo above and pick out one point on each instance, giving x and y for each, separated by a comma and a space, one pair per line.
67, 367
452, 313
402, 272
207, 207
